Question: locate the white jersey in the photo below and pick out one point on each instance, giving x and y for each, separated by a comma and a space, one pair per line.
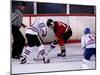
88, 41
38, 27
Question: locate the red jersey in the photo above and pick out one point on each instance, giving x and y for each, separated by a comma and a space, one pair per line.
59, 29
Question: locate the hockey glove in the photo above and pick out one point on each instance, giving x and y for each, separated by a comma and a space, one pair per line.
53, 44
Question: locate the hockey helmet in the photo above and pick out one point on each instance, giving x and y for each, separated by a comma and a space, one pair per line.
22, 3
49, 22
87, 31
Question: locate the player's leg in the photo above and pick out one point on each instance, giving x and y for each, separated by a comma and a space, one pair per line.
26, 54
14, 46
66, 36
41, 50
31, 42
87, 55
21, 43
85, 64
94, 51
63, 51
18, 42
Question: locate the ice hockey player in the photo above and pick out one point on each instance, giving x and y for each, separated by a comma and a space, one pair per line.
33, 34
88, 45
62, 33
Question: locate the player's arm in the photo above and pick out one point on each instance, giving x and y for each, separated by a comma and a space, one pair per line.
44, 29
14, 16
23, 25
83, 45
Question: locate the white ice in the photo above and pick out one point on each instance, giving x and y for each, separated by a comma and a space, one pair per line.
72, 61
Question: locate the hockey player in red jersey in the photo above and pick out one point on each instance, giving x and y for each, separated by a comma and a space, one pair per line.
62, 33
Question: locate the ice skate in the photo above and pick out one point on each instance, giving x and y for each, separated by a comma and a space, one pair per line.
61, 54
46, 60
23, 60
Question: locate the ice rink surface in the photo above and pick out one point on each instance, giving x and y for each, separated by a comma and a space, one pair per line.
72, 61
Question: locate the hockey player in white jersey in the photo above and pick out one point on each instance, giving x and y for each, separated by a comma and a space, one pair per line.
88, 45
33, 33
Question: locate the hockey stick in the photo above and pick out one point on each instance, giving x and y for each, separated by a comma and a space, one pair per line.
36, 59
48, 51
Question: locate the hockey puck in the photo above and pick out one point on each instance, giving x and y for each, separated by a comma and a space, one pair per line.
34, 59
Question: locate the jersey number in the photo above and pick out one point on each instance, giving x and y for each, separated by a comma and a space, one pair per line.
91, 38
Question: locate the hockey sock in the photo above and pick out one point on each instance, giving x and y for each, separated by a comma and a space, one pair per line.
27, 51
85, 64
63, 50
42, 51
